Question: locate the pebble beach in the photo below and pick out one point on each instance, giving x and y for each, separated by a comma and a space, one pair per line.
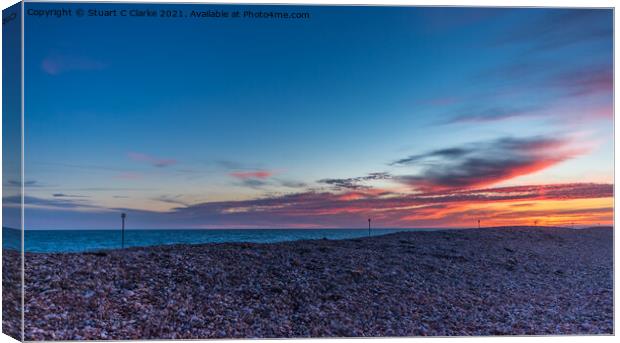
494, 281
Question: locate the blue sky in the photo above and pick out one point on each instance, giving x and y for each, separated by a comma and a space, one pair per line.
161, 117
11, 118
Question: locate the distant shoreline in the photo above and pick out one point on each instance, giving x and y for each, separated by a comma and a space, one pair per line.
324, 228
67, 241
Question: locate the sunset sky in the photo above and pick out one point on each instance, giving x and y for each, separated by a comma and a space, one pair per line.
416, 117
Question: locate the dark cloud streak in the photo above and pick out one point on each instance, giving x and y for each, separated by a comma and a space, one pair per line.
354, 182
484, 163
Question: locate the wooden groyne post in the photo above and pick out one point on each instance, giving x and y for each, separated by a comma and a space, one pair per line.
123, 216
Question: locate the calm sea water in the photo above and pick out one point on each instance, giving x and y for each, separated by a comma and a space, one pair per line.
88, 240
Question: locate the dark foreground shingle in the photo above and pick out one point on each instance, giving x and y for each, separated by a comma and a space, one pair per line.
515, 281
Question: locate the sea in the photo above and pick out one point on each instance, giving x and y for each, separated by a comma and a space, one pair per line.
61, 241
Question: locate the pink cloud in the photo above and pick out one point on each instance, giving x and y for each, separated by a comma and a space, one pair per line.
586, 81
154, 161
603, 112
257, 174
447, 208
58, 64
329, 209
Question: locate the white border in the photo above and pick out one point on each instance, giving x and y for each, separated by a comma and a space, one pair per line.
487, 3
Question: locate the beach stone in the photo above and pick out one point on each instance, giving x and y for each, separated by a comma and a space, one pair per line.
501, 281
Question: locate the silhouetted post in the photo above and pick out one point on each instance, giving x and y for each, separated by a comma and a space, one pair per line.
368, 227
478, 223
123, 216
